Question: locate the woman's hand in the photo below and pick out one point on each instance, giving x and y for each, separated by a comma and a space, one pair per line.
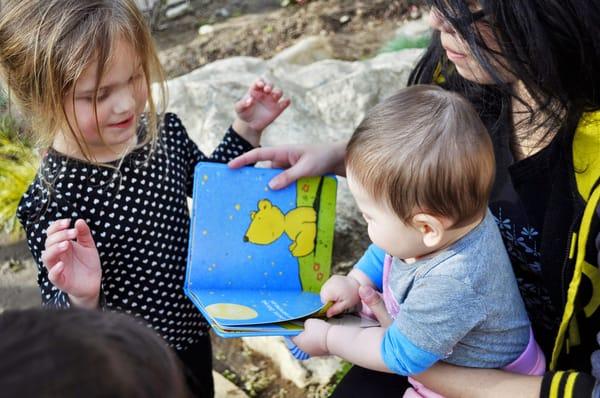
300, 161
73, 263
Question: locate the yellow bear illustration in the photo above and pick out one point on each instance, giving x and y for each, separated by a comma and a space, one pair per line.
269, 223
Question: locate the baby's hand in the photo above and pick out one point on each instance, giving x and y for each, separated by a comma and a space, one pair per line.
342, 291
313, 340
261, 105
73, 263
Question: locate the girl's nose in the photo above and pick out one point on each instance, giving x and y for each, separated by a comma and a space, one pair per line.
125, 101
439, 22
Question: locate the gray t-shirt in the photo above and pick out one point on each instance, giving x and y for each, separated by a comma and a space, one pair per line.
462, 306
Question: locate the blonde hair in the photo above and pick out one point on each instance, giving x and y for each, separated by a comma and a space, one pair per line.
424, 149
46, 45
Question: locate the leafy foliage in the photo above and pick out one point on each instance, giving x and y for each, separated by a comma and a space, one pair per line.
18, 165
404, 42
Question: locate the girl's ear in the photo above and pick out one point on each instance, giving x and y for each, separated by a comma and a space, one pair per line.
431, 228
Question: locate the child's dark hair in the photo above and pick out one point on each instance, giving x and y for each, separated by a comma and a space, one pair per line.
83, 353
424, 150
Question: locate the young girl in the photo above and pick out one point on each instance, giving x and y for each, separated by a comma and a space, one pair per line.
115, 177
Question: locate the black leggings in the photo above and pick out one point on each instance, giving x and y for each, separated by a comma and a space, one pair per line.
197, 365
360, 382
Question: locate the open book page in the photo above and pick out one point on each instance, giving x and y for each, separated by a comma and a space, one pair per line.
258, 256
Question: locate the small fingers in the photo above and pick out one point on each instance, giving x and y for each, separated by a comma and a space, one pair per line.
55, 275
60, 236
243, 104
259, 84
374, 301
51, 256
335, 309
58, 225
283, 104
84, 234
276, 94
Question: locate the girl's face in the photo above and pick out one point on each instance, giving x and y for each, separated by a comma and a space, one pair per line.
458, 51
122, 96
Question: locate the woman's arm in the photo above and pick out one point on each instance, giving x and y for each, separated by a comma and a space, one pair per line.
454, 381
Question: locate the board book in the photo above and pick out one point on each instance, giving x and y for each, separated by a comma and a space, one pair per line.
257, 257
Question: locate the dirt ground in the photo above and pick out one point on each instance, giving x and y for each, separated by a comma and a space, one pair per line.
260, 28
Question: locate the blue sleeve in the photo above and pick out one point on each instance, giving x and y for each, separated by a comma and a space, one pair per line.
371, 264
401, 356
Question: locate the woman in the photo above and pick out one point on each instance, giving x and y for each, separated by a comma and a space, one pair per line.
531, 68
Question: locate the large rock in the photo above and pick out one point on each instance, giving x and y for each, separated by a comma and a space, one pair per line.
329, 99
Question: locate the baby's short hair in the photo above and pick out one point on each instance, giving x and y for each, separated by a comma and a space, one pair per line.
424, 149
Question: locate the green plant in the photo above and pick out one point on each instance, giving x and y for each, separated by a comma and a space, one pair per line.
404, 42
18, 165
338, 376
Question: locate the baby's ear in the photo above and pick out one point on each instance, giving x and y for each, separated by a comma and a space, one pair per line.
432, 228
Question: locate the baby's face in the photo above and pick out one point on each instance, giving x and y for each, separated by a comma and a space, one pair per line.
386, 229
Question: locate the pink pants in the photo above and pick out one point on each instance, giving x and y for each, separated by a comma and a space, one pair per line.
530, 362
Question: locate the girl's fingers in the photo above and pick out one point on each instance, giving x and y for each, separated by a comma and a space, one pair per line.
276, 94
284, 104
60, 236
51, 256
58, 225
55, 275
243, 104
84, 235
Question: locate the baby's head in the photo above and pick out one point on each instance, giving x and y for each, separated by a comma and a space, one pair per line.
420, 165
80, 70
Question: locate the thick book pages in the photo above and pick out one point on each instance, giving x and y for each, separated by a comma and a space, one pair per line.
257, 258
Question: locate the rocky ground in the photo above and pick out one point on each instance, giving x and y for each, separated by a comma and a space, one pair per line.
258, 28
262, 28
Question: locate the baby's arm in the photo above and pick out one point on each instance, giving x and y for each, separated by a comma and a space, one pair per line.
360, 346
261, 105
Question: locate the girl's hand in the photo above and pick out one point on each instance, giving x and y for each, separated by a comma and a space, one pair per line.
261, 105
73, 263
313, 340
302, 160
342, 291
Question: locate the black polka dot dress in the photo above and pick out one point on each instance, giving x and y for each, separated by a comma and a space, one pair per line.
138, 213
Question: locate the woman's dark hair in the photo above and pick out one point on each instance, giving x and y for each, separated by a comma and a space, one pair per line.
552, 46
83, 353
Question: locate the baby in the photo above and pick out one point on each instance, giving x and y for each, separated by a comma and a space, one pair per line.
421, 167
